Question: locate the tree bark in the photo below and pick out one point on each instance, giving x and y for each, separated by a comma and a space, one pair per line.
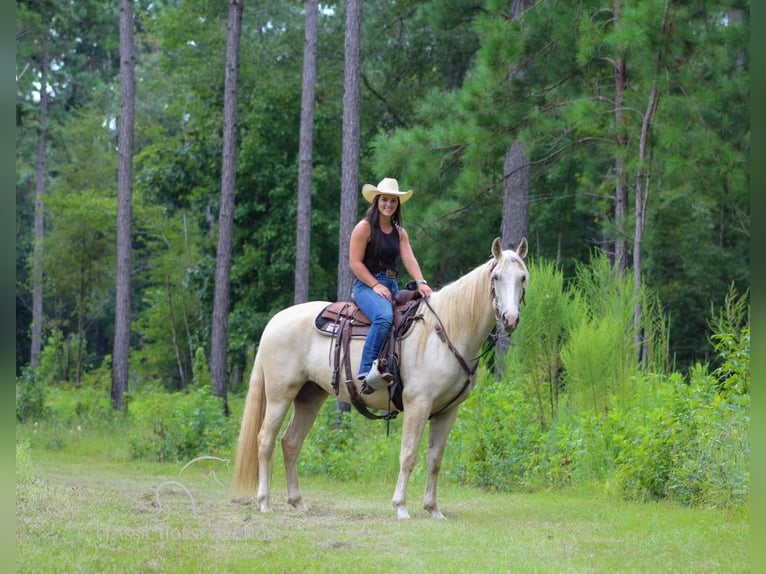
37, 259
303, 224
351, 138
121, 348
219, 340
350, 160
621, 186
515, 222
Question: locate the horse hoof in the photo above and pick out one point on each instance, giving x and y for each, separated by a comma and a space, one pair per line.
402, 514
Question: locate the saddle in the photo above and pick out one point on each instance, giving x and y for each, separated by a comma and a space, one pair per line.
344, 320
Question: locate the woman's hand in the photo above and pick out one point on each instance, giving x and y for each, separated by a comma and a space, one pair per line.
424, 290
382, 290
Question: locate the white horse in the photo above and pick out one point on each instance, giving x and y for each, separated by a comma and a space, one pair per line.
293, 366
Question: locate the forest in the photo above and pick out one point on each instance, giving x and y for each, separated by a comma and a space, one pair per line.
613, 135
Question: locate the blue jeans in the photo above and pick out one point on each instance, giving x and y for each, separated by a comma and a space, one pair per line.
380, 312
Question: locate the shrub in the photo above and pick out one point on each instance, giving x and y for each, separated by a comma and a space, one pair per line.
692, 447
496, 436
179, 426
30, 397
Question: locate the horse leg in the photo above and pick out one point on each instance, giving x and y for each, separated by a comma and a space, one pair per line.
272, 421
307, 404
437, 438
415, 417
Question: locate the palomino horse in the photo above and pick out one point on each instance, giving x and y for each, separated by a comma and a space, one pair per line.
293, 366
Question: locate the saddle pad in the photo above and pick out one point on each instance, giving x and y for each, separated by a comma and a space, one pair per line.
329, 319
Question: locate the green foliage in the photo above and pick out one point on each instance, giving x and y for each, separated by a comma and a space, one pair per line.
30, 397
496, 436
619, 420
179, 426
692, 447
731, 340
534, 359
346, 446
600, 354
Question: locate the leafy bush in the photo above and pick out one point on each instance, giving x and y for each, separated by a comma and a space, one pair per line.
496, 436
179, 426
30, 397
345, 445
692, 447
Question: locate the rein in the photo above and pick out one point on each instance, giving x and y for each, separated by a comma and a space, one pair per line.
442, 334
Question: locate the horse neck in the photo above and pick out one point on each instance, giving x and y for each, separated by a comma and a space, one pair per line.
465, 309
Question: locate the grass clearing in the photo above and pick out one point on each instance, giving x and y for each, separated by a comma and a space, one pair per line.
86, 514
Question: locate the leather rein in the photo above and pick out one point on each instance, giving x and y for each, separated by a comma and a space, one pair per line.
441, 332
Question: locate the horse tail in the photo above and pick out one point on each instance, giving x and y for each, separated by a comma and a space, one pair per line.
246, 466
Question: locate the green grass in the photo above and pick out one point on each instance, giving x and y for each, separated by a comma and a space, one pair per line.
80, 513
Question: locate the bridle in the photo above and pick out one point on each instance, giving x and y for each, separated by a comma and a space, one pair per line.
493, 295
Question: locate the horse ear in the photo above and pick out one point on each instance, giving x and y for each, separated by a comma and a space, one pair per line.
497, 248
521, 250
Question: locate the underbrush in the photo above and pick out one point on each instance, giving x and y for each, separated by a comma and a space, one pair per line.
678, 439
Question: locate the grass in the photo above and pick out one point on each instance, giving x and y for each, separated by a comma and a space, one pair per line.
79, 513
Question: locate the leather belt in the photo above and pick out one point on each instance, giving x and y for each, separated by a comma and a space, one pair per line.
391, 273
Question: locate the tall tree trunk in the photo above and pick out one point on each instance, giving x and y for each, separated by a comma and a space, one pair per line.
643, 179
218, 343
303, 224
349, 195
350, 161
124, 206
621, 186
515, 222
37, 263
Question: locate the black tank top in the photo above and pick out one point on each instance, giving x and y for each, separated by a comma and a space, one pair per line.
389, 253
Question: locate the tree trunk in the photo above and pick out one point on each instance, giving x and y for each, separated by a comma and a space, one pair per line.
350, 162
124, 207
621, 186
515, 223
218, 343
303, 224
643, 178
37, 258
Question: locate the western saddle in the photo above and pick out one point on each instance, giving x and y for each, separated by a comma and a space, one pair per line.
344, 320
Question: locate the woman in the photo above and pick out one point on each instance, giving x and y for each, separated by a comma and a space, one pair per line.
377, 242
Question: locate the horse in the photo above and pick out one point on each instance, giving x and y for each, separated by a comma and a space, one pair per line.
292, 367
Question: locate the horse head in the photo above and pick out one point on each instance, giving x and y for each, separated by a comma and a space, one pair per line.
508, 279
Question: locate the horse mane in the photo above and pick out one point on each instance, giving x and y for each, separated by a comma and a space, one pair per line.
469, 292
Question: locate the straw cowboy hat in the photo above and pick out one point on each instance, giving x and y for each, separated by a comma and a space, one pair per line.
387, 186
